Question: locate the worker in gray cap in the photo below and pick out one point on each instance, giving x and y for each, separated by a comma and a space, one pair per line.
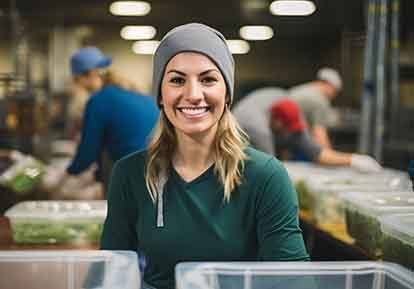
314, 99
199, 192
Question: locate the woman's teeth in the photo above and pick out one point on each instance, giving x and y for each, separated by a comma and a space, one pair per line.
194, 111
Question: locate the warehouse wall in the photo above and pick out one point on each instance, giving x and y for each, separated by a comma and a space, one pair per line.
5, 57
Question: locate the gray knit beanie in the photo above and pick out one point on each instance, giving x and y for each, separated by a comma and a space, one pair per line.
193, 37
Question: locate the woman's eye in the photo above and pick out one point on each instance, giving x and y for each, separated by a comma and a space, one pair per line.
177, 80
209, 80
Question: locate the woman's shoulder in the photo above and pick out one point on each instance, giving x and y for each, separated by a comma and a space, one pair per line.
132, 162
259, 163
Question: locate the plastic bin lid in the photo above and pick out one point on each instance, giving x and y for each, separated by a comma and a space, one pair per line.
399, 226
58, 210
258, 275
70, 269
379, 203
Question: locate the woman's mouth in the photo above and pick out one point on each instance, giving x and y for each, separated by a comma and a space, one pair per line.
194, 112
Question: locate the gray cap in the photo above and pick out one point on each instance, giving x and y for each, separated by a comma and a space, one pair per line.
193, 37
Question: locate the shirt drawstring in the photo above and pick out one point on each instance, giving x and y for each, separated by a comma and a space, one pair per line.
162, 180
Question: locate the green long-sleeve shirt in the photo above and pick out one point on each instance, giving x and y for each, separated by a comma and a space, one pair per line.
259, 223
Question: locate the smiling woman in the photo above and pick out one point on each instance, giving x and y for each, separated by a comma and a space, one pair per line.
199, 192
193, 94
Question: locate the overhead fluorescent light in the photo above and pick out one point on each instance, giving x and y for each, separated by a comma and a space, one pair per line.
256, 32
292, 7
130, 8
145, 47
138, 32
238, 46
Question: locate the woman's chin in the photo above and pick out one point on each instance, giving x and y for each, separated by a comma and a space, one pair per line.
197, 130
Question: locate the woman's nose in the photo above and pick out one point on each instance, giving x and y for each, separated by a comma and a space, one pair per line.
193, 92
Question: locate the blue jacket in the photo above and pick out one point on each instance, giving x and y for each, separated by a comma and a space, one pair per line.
116, 120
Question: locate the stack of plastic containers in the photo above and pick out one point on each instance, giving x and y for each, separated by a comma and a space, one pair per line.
302, 173
398, 242
69, 270
363, 211
293, 275
327, 190
57, 222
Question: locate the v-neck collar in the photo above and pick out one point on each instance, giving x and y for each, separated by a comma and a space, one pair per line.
207, 173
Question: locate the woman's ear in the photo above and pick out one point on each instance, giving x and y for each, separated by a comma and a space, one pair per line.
228, 101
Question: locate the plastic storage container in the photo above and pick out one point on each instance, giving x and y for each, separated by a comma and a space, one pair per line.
398, 243
326, 191
24, 175
293, 275
51, 222
301, 173
363, 211
69, 270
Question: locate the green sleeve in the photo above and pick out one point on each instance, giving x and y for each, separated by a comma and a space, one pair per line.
119, 228
279, 235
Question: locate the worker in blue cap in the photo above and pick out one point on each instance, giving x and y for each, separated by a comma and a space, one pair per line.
116, 120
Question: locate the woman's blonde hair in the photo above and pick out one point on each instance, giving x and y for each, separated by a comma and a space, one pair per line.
228, 148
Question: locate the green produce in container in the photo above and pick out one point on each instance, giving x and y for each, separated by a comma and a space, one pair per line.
304, 196
57, 222
49, 233
363, 213
365, 230
32, 233
24, 175
398, 244
398, 251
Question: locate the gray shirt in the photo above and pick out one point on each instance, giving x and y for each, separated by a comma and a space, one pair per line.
315, 107
253, 115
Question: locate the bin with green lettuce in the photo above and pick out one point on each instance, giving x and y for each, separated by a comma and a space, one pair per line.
57, 222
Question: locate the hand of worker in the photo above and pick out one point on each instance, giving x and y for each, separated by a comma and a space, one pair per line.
365, 163
53, 179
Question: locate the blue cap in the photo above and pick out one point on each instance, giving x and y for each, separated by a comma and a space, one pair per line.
88, 58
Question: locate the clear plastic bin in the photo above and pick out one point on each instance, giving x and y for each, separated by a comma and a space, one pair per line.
302, 173
69, 270
318, 187
56, 222
362, 212
326, 191
293, 275
398, 243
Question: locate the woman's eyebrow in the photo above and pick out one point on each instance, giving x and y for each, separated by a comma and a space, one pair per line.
208, 71
201, 74
176, 71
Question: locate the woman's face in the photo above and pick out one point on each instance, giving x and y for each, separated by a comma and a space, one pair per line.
193, 94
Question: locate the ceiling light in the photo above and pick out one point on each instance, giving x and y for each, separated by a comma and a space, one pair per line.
256, 32
130, 8
238, 46
138, 32
292, 7
145, 47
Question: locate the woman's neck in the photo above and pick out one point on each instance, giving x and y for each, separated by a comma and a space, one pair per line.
194, 152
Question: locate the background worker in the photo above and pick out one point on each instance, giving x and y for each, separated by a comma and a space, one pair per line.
294, 142
314, 99
116, 120
252, 114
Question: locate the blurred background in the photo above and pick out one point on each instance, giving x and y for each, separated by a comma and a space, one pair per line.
38, 38
369, 42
